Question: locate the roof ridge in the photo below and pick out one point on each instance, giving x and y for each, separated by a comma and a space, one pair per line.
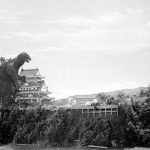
29, 69
29, 72
86, 95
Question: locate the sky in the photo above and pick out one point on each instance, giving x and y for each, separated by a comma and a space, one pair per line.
80, 46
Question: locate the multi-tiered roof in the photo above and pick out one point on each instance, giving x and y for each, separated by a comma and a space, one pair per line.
35, 90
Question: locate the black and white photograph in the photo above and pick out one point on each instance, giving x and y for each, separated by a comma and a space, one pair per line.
74, 74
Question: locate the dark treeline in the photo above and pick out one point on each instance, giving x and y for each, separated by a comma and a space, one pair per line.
58, 128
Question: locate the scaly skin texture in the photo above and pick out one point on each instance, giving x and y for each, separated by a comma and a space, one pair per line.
9, 78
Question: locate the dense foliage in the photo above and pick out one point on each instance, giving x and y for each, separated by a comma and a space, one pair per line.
35, 125
57, 127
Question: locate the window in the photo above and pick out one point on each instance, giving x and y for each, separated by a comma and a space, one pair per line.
114, 109
108, 114
84, 110
103, 114
90, 115
85, 115
102, 109
114, 114
97, 110
90, 110
97, 114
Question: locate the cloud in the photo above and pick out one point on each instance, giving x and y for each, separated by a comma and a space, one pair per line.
49, 49
24, 34
13, 55
7, 18
6, 36
113, 32
96, 20
13, 17
3, 11
136, 10
81, 22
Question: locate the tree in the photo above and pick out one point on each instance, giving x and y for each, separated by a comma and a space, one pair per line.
101, 97
2, 60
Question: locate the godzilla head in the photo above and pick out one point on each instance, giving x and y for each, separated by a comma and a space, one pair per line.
23, 57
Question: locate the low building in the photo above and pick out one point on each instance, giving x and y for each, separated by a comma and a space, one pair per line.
35, 89
103, 111
82, 100
92, 111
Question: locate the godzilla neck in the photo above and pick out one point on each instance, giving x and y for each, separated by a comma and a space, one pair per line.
18, 65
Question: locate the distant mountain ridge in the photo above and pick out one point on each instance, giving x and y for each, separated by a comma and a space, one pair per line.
129, 92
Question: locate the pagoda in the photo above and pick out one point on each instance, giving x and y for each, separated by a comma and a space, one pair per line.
34, 90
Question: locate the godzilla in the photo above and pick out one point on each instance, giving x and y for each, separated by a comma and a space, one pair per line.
9, 78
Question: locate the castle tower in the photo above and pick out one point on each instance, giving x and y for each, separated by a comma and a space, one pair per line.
35, 90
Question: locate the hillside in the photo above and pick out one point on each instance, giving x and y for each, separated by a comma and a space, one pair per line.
129, 92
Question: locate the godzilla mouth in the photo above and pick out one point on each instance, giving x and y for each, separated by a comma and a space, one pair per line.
27, 60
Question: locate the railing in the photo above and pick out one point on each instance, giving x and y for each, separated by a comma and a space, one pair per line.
99, 111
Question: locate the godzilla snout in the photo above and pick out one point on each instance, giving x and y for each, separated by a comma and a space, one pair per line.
28, 59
